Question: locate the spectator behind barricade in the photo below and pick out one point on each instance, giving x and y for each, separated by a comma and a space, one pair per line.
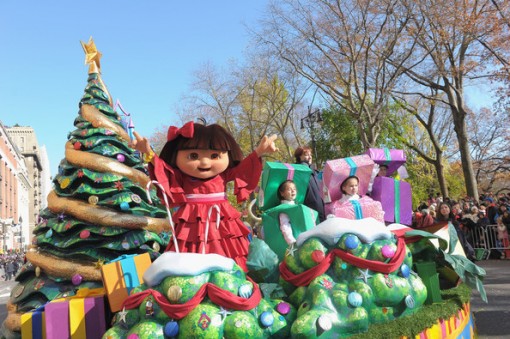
431, 200
491, 210
502, 238
423, 219
432, 211
287, 194
313, 197
445, 213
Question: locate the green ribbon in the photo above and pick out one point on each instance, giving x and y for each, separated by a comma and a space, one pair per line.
387, 156
397, 201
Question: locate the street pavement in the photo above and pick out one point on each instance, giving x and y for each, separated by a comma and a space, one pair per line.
492, 319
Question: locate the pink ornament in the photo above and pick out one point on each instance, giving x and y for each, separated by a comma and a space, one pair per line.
133, 336
76, 279
388, 251
121, 157
283, 308
84, 234
77, 145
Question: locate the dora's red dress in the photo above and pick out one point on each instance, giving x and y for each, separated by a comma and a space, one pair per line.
196, 198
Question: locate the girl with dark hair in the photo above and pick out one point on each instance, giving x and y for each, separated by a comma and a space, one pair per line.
445, 213
194, 168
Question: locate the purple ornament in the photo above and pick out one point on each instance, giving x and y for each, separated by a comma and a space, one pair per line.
171, 329
283, 308
388, 251
76, 279
121, 157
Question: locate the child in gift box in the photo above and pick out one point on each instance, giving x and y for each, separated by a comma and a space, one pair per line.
350, 189
194, 168
287, 192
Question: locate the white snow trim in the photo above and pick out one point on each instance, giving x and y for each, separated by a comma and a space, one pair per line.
331, 229
185, 264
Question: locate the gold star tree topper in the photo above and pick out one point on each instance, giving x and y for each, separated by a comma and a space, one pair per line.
92, 56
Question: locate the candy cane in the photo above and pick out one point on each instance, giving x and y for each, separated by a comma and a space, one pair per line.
167, 209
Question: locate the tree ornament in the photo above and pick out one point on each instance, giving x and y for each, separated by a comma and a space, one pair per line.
355, 299
388, 251
124, 206
245, 291
84, 234
93, 200
324, 323
266, 319
77, 145
318, 256
405, 270
174, 293
171, 329
351, 242
76, 279
283, 308
121, 157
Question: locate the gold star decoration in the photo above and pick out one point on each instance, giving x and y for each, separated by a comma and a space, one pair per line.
99, 263
92, 56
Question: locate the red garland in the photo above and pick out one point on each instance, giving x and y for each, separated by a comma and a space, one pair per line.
217, 295
306, 277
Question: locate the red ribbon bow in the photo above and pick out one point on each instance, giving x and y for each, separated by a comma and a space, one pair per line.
186, 131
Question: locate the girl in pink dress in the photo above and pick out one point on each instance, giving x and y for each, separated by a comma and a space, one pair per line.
194, 168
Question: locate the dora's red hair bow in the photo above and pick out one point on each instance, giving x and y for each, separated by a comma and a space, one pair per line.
186, 131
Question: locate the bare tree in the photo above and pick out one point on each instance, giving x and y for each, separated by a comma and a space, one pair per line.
342, 47
453, 39
490, 145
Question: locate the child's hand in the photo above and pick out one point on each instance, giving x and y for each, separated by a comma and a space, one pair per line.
266, 146
140, 144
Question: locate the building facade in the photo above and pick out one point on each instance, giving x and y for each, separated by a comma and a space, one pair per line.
26, 141
14, 188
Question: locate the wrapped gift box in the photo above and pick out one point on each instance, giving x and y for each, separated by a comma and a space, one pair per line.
274, 174
393, 158
33, 324
302, 218
121, 275
336, 171
395, 198
364, 207
77, 317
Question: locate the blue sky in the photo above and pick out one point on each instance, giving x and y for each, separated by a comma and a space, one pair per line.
150, 49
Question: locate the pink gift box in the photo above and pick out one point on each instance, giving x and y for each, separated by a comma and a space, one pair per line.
336, 171
364, 207
395, 198
393, 158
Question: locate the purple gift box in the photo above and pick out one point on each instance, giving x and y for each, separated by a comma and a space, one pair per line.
364, 207
395, 198
336, 171
393, 158
59, 318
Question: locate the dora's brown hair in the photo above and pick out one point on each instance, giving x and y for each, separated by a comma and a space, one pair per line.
213, 137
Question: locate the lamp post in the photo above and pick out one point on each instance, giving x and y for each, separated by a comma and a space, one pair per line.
308, 122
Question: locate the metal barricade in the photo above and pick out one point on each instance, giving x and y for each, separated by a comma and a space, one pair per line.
485, 240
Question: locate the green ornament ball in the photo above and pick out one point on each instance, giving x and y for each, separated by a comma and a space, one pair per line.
116, 332
308, 252
204, 321
148, 330
226, 281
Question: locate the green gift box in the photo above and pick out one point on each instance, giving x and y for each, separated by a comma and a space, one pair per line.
302, 218
274, 174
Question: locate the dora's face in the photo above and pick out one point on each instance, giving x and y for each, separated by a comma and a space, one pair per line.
202, 164
350, 186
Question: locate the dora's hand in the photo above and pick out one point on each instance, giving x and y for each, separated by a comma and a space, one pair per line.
141, 144
266, 146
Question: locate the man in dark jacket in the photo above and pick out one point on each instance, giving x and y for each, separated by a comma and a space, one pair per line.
313, 198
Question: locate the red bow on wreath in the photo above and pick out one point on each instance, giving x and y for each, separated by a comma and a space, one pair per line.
186, 131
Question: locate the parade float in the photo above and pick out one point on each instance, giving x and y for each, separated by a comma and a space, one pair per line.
97, 268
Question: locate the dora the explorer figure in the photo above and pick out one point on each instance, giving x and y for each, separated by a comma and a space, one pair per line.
194, 168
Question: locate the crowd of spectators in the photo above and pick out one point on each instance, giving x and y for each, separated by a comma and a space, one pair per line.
471, 218
10, 264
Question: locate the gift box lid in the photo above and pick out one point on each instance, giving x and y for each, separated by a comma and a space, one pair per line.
393, 158
336, 171
274, 174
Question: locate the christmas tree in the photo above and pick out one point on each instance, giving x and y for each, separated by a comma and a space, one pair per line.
97, 211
